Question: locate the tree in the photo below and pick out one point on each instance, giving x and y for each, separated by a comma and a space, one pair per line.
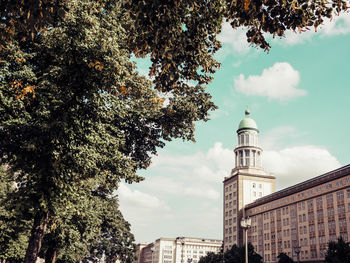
338, 251
284, 258
211, 257
237, 255
14, 221
234, 255
179, 36
74, 114
115, 240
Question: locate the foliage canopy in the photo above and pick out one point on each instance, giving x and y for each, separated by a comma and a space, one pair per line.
76, 117
234, 255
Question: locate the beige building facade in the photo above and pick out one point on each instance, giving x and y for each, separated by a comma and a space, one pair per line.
177, 250
307, 215
299, 220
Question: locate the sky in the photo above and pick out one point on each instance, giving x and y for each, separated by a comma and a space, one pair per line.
299, 96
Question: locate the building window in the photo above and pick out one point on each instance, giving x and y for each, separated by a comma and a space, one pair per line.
241, 158
340, 195
329, 198
311, 216
341, 209
247, 157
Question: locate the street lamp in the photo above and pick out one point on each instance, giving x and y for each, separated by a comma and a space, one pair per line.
245, 224
152, 251
297, 251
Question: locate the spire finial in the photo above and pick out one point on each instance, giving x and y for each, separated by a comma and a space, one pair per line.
247, 111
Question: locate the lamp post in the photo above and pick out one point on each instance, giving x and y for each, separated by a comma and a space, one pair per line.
297, 251
245, 224
152, 251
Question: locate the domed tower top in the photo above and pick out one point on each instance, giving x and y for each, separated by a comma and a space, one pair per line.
248, 152
247, 123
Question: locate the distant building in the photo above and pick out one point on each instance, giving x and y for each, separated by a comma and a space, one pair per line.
177, 250
139, 249
302, 218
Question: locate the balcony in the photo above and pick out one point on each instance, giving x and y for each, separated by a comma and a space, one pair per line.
312, 234
329, 205
319, 207
343, 229
330, 218
341, 215
332, 231
340, 202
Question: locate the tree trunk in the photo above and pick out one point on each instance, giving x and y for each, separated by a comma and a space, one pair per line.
51, 253
36, 237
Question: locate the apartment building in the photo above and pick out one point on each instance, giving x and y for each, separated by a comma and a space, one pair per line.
177, 250
299, 220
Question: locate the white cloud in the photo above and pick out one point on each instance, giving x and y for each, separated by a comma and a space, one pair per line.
296, 164
339, 25
139, 199
189, 185
277, 137
185, 191
277, 82
235, 38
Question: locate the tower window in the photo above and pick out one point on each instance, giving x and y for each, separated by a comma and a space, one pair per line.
247, 138
247, 159
241, 158
242, 139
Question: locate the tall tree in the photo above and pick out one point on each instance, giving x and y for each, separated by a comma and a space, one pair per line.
72, 106
74, 113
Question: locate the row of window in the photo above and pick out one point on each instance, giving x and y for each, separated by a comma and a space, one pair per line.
248, 139
231, 212
319, 203
340, 194
248, 158
230, 196
230, 221
230, 187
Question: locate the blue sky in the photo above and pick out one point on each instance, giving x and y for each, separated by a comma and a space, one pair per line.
299, 95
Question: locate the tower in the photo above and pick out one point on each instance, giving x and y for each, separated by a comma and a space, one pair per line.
247, 182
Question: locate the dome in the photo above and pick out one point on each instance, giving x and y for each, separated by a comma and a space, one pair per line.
247, 122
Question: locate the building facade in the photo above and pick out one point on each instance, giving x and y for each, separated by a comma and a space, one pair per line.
305, 216
177, 250
247, 182
299, 220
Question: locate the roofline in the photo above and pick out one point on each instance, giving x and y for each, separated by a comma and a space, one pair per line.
248, 174
315, 181
241, 129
